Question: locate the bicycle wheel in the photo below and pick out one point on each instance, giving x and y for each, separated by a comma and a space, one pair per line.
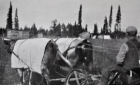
76, 77
114, 80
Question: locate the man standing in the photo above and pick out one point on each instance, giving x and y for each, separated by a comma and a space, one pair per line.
126, 59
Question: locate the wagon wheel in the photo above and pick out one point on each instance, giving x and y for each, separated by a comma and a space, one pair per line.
113, 79
76, 77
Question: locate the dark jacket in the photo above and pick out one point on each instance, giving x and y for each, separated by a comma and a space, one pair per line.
131, 59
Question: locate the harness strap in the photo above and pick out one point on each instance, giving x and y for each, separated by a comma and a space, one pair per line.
56, 40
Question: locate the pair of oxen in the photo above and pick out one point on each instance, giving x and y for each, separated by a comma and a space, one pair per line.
42, 56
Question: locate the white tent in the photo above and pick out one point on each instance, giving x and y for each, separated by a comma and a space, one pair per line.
104, 37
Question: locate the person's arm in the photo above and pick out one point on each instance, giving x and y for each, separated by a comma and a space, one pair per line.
121, 55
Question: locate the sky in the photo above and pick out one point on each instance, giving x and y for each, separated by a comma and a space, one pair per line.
43, 12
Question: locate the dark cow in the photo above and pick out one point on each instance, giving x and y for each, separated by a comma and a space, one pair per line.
77, 51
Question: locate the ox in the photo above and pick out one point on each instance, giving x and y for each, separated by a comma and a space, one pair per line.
77, 51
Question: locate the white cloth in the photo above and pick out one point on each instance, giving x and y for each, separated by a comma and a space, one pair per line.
64, 43
31, 52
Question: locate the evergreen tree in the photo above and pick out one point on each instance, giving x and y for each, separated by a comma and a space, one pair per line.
16, 21
33, 31
105, 27
26, 28
70, 30
76, 30
42, 30
0, 32
118, 24
110, 17
86, 28
80, 20
58, 30
95, 29
3, 32
118, 17
9, 18
102, 32
64, 31
46, 32
53, 30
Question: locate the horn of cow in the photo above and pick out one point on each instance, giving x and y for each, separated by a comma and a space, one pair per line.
61, 55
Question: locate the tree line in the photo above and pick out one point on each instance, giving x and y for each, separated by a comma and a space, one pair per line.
56, 30
107, 26
69, 30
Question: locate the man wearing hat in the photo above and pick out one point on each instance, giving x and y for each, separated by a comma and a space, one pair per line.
126, 59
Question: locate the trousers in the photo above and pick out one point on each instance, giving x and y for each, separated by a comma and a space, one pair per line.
113, 68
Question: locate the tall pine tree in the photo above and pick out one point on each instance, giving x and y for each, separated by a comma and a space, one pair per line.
64, 31
54, 30
95, 32
26, 28
9, 18
118, 21
110, 17
70, 30
80, 20
105, 26
76, 30
118, 17
33, 31
58, 32
86, 27
16, 21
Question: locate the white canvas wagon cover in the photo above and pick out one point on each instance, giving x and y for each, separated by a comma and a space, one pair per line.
30, 51
64, 43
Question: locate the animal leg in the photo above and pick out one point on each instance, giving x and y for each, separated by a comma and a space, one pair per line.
30, 74
20, 72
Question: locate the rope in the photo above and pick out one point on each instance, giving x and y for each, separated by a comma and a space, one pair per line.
99, 50
20, 45
21, 59
99, 46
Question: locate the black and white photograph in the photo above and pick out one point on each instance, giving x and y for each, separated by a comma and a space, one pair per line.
69, 42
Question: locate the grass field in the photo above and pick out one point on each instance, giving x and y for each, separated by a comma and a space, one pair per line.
8, 76
104, 53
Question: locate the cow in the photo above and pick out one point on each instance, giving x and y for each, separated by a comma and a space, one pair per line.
77, 51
